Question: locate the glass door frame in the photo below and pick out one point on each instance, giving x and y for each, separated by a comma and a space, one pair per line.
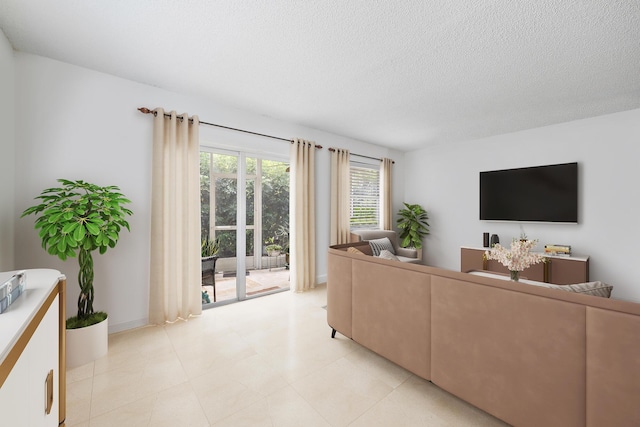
241, 226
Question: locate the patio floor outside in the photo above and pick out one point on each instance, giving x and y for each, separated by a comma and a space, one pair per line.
257, 282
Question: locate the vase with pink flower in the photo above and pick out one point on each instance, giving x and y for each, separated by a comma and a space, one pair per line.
516, 258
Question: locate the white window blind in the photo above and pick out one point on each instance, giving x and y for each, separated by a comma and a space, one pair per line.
365, 197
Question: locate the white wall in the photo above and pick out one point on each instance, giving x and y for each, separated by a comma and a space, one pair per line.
445, 180
7, 154
79, 124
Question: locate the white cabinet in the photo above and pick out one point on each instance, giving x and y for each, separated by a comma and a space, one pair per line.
14, 394
31, 393
43, 354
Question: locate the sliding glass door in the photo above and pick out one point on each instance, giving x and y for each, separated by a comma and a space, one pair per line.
245, 209
219, 223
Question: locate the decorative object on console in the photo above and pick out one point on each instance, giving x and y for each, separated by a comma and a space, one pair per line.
12, 289
413, 225
559, 250
494, 240
517, 258
485, 240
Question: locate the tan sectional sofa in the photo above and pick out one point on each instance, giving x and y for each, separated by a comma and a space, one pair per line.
530, 356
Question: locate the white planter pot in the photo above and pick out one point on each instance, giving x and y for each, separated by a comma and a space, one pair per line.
85, 345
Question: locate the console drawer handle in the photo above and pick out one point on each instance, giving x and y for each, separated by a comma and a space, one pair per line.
48, 393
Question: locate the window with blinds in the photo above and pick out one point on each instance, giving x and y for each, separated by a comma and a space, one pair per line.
365, 197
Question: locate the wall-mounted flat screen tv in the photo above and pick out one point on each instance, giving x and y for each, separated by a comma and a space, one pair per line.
536, 194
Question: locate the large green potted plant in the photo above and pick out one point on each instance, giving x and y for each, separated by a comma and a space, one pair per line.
79, 218
413, 225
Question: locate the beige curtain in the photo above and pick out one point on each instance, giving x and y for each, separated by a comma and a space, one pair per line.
340, 196
385, 190
175, 288
302, 218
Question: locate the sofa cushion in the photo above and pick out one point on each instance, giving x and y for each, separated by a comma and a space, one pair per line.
353, 250
388, 255
597, 289
519, 357
378, 245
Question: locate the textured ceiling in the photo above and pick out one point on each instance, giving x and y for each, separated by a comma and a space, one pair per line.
404, 74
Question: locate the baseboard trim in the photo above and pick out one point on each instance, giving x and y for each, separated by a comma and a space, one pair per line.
127, 325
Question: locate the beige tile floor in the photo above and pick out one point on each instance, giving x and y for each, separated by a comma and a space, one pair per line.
269, 361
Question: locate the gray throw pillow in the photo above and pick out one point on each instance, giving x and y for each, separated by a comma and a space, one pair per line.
387, 255
378, 245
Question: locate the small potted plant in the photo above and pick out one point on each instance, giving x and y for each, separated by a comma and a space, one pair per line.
274, 249
413, 226
283, 234
77, 219
209, 252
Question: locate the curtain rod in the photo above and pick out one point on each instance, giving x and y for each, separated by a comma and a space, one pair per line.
145, 110
360, 155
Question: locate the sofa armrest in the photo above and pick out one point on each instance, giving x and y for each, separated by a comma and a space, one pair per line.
407, 252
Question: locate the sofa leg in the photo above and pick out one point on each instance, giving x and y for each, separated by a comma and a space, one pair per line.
333, 333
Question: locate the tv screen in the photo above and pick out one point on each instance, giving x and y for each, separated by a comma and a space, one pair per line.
537, 194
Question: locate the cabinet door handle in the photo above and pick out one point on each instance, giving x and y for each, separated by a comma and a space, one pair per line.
48, 393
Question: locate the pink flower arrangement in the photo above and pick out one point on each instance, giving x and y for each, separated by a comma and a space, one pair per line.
518, 257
